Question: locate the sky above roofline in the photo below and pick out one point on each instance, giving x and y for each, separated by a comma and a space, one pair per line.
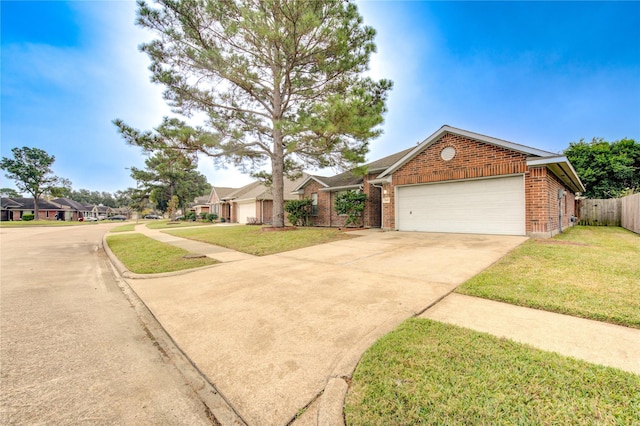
540, 74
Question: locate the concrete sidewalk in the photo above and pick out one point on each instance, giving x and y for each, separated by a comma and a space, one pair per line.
588, 340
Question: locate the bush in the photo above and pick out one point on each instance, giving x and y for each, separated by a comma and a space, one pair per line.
191, 216
208, 217
28, 216
298, 211
351, 203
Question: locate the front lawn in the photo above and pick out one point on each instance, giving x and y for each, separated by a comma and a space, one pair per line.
255, 241
124, 228
589, 272
144, 255
431, 373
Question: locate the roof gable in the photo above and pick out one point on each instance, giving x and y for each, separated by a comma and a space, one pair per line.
470, 135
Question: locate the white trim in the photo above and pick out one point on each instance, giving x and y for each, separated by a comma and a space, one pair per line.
304, 183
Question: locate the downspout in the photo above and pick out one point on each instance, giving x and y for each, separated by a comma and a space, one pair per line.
560, 196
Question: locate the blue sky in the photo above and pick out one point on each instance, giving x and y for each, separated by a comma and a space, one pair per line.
541, 74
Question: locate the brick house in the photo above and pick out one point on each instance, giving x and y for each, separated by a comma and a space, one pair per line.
14, 208
461, 182
253, 203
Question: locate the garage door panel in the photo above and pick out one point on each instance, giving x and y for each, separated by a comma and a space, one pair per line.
246, 210
487, 206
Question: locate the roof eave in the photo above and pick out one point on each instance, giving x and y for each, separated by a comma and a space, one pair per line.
341, 188
562, 168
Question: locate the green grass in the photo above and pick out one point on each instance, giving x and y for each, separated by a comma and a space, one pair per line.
124, 228
431, 373
143, 255
252, 240
589, 272
165, 224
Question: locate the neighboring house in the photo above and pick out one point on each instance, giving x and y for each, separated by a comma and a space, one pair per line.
253, 203
323, 191
201, 205
214, 203
75, 209
99, 211
460, 182
14, 208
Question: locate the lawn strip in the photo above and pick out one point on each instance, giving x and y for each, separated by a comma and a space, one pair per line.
427, 372
252, 240
124, 228
589, 272
165, 224
144, 255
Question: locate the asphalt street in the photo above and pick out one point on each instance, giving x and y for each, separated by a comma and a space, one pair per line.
72, 347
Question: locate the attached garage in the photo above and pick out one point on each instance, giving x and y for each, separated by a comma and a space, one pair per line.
479, 206
246, 210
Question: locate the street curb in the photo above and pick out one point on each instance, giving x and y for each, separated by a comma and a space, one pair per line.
331, 402
331, 407
221, 411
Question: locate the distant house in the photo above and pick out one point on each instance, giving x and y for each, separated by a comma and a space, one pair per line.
14, 208
75, 210
201, 205
216, 203
253, 203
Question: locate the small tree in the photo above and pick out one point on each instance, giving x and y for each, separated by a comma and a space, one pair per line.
298, 211
172, 208
30, 168
351, 203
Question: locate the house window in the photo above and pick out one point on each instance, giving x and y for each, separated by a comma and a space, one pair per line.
314, 204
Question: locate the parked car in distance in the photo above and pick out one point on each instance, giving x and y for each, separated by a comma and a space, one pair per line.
87, 219
118, 217
102, 217
151, 216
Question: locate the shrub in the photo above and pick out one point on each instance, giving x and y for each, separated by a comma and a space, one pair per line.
189, 216
351, 203
28, 216
298, 211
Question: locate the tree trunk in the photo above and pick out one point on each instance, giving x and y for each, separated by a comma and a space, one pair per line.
36, 212
277, 173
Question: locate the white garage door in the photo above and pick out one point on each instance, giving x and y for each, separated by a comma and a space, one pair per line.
484, 206
246, 210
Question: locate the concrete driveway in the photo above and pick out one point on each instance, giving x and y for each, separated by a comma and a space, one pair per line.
271, 332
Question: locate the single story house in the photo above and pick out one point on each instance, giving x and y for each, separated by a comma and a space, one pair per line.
216, 203
460, 182
200, 205
14, 208
75, 210
253, 203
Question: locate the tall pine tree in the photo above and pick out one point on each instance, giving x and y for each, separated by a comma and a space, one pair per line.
281, 82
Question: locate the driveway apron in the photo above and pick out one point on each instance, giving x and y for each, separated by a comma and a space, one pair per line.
271, 332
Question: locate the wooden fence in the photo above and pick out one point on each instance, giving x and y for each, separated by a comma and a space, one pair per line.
623, 212
630, 214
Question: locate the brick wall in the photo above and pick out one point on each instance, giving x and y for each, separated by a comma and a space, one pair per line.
542, 203
323, 218
473, 159
372, 210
